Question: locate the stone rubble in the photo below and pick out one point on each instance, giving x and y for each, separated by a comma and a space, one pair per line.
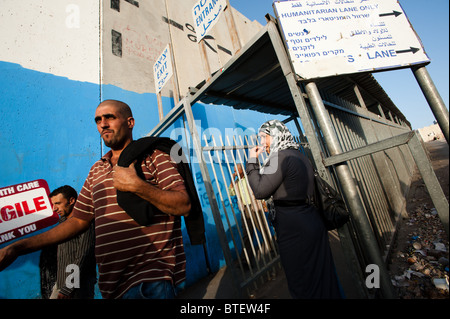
420, 264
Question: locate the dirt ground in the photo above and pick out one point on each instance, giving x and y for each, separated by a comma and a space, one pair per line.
420, 257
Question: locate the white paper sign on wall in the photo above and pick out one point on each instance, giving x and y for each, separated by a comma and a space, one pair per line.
162, 69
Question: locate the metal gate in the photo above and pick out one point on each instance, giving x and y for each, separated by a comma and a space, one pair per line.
249, 235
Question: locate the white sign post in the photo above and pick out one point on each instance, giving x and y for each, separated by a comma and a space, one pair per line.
206, 13
25, 208
335, 37
162, 69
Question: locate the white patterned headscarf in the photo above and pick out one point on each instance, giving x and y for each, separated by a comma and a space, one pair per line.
282, 138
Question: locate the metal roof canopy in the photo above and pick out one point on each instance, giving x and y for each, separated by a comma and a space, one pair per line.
253, 79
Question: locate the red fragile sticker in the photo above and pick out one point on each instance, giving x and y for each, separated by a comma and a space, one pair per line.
25, 208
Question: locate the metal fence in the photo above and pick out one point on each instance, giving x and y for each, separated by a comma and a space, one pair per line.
250, 237
381, 156
382, 178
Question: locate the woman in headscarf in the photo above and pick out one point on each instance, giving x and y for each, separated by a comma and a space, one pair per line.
287, 177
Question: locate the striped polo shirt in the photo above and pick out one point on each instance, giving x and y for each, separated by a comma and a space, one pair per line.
126, 253
77, 251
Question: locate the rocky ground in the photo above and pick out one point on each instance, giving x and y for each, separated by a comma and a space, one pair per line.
419, 265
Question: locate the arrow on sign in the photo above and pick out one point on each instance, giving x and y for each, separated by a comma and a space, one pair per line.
411, 49
393, 13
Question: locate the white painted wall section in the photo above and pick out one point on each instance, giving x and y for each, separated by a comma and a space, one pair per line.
57, 37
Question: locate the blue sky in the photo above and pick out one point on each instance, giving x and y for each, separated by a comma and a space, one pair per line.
430, 20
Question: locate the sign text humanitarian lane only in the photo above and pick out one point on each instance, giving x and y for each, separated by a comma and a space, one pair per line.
328, 38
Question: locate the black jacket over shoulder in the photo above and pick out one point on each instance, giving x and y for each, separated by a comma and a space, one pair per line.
141, 210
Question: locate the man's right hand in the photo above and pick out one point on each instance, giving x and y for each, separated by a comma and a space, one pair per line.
64, 231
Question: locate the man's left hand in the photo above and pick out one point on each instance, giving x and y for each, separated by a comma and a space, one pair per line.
125, 178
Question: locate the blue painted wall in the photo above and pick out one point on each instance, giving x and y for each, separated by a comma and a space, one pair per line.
47, 132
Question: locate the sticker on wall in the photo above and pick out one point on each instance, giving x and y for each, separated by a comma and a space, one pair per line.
206, 13
24, 209
162, 69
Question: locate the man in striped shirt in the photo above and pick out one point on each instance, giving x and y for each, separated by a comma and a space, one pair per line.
77, 252
133, 261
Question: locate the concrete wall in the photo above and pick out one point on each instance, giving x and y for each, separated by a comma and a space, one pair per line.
49, 87
431, 133
60, 58
145, 31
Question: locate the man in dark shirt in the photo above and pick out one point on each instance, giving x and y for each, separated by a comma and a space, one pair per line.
76, 273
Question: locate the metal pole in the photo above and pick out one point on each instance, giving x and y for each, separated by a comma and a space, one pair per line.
197, 145
160, 106
231, 23
369, 241
433, 97
351, 259
175, 81
429, 177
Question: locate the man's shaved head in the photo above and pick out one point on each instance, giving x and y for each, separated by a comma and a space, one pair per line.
122, 107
